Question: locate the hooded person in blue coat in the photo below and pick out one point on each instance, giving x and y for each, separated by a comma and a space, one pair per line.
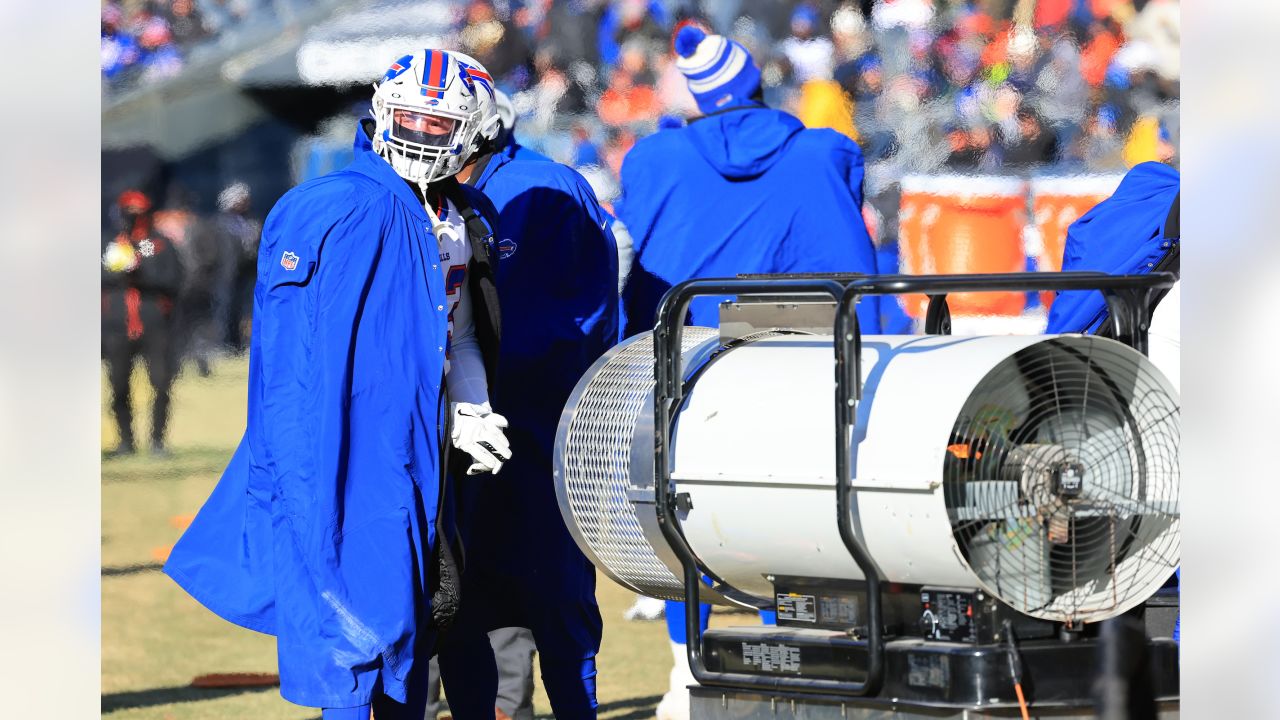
375, 338
557, 277
742, 189
1125, 234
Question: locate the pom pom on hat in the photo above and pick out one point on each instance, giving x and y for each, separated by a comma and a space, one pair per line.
688, 38
720, 71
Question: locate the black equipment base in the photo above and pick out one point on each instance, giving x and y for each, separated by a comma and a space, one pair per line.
708, 703
930, 673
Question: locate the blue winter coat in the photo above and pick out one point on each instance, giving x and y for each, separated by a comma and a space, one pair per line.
744, 191
1121, 235
558, 285
515, 151
320, 530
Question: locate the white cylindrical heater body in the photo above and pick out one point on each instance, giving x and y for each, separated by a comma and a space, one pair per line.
754, 448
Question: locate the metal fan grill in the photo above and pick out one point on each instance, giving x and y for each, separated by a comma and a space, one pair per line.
1061, 479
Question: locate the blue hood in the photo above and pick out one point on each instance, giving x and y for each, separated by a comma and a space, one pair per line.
744, 143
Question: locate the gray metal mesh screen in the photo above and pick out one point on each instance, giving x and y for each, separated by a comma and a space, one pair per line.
597, 466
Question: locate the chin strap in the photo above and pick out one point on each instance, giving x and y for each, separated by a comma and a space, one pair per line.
439, 228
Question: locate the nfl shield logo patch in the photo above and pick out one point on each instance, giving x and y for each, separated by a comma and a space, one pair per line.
289, 261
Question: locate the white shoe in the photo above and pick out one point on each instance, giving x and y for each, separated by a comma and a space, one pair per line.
645, 609
675, 704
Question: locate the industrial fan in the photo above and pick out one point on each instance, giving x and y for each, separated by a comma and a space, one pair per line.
934, 500
1061, 480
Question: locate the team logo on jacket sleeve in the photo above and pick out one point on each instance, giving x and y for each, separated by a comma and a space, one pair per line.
289, 261
506, 248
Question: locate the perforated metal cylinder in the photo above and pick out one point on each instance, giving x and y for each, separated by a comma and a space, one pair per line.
604, 466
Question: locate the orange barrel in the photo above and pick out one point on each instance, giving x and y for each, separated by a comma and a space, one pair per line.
954, 224
1056, 202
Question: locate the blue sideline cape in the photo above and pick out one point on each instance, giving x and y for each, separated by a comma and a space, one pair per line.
320, 530
1121, 235
748, 190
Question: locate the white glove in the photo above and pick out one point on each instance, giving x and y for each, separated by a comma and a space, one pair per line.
477, 431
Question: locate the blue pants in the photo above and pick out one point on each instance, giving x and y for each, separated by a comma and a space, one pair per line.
523, 569
675, 619
566, 626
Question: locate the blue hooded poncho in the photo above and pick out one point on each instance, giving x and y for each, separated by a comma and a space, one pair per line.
1122, 235
748, 190
321, 530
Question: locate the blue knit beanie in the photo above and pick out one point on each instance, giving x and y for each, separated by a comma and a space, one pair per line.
720, 72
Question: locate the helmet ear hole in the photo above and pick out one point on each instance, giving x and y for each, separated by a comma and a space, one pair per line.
489, 127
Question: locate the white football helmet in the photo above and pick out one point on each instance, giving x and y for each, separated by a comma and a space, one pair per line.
433, 109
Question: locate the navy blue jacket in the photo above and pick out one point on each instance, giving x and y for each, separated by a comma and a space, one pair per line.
557, 281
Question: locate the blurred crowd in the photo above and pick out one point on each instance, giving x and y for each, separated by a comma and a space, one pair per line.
922, 85
148, 40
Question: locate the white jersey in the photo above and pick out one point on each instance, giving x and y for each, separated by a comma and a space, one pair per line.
464, 364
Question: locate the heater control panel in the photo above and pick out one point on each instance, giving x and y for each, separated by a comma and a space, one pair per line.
966, 615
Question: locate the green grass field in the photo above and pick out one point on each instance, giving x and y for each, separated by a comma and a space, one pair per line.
155, 638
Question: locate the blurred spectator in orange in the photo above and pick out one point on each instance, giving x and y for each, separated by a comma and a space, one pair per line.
1052, 13
141, 275
1104, 41
625, 102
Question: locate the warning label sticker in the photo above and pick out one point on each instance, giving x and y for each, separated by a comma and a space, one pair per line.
771, 658
797, 607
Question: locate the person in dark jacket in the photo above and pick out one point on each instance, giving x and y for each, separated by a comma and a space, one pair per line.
141, 275
238, 234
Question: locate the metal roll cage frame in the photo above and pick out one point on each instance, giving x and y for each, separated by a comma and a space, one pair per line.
1128, 300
